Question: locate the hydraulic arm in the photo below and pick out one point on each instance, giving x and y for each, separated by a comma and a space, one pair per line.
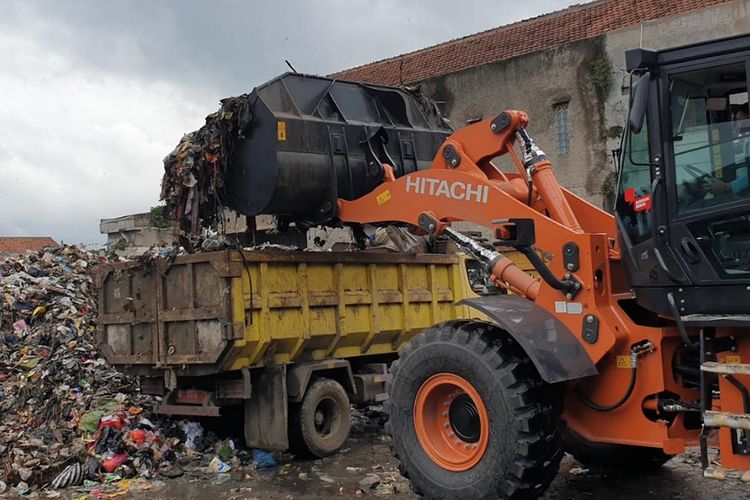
524, 208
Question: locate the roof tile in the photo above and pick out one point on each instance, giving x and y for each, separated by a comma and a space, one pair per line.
20, 244
572, 24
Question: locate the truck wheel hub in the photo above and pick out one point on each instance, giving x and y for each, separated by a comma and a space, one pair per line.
464, 418
451, 422
326, 417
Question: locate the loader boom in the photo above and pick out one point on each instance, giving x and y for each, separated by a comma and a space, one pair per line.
463, 184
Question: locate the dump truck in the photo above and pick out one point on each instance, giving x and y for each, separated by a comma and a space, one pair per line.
629, 341
291, 336
294, 337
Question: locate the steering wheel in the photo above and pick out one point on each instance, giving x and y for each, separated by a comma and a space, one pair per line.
695, 189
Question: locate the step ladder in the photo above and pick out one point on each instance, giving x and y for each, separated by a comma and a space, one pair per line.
739, 423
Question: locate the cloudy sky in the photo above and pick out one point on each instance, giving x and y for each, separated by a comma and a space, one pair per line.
94, 94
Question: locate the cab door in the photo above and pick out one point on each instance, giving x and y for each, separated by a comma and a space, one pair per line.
640, 205
706, 138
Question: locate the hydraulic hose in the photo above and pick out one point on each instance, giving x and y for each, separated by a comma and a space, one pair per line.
635, 351
596, 406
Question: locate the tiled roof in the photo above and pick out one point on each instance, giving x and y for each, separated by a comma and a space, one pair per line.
15, 245
572, 24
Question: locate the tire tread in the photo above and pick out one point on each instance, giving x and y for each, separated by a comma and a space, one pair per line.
537, 406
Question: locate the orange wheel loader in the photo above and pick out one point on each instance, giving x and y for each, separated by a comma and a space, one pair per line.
635, 341
630, 341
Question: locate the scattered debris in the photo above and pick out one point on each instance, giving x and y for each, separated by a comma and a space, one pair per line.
263, 459
193, 182
578, 471
326, 479
69, 418
216, 465
72, 475
55, 385
369, 481
193, 431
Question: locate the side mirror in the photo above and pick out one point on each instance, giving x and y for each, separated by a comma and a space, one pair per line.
638, 103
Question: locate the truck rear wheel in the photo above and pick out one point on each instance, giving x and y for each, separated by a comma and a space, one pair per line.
634, 459
470, 417
319, 425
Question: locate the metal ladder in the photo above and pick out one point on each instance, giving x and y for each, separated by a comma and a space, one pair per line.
711, 370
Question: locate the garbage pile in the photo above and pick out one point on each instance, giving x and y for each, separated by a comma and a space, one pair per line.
67, 418
52, 381
193, 182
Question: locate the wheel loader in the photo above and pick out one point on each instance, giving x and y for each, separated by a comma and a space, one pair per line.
626, 344
633, 344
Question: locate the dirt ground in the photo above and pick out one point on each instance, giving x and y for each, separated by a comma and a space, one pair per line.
366, 453
365, 468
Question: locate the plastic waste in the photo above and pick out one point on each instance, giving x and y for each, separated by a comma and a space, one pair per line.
216, 465
20, 327
138, 436
263, 459
115, 421
114, 462
72, 475
193, 431
89, 421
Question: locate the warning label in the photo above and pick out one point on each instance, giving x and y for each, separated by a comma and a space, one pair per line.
384, 197
624, 362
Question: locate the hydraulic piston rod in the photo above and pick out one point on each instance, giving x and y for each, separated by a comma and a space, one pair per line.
501, 267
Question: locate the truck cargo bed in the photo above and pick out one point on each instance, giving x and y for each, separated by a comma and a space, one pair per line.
221, 311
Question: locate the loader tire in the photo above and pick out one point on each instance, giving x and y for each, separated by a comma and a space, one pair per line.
631, 459
319, 425
470, 417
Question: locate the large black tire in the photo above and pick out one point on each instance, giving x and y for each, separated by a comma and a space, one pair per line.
631, 459
319, 425
524, 448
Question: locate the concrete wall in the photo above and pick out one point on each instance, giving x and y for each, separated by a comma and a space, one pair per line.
537, 81
132, 235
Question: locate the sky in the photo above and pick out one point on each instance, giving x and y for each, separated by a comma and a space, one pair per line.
93, 94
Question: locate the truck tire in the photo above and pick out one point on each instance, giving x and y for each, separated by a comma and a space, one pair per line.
319, 425
633, 459
470, 417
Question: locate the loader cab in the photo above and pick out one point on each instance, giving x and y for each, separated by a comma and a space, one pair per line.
683, 197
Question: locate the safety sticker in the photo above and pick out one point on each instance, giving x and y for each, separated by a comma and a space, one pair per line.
562, 307
281, 131
624, 362
384, 197
574, 308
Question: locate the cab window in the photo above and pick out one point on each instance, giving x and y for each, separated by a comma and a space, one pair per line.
633, 204
710, 136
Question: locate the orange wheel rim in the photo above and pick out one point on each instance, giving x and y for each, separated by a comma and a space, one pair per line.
451, 422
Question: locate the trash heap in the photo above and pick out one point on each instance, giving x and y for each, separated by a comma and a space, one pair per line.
67, 418
193, 182
52, 379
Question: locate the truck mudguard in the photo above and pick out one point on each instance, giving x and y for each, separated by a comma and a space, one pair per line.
551, 346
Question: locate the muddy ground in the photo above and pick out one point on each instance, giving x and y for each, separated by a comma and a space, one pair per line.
367, 453
329, 478
680, 479
345, 475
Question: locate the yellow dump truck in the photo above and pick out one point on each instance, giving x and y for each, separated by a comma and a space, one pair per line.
292, 336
